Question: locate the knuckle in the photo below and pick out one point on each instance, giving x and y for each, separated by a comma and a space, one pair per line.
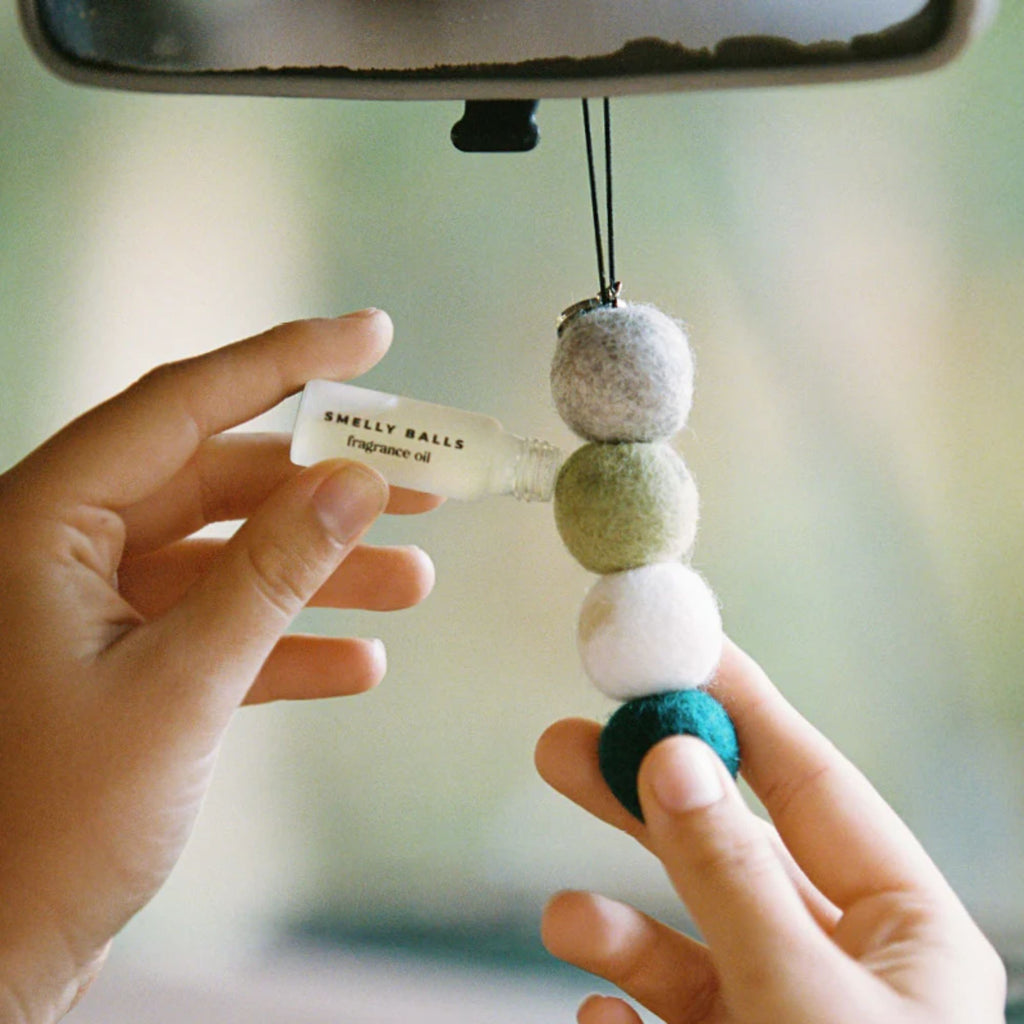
164, 375
626, 965
989, 965
786, 793
704, 998
283, 576
213, 501
733, 853
170, 385
993, 968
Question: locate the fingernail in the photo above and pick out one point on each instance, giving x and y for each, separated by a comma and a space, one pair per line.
361, 313
380, 658
686, 777
349, 500
607, 1009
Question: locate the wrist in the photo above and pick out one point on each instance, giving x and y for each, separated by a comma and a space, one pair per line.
31, 995
30, 998
88, 976
39, 980
12, 1009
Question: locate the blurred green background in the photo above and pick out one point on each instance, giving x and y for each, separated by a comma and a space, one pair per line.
851, 262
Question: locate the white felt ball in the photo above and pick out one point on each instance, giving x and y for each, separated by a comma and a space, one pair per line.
623, 373
650, 630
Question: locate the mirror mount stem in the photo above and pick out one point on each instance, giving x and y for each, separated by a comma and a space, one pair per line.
497, 126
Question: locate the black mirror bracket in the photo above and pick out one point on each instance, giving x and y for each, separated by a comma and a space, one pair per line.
497, 126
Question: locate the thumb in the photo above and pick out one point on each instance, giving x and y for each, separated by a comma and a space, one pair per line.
212, 644
725, 870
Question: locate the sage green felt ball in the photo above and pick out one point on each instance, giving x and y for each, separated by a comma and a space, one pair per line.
620, 506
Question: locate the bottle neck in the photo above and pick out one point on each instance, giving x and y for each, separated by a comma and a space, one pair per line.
533, 468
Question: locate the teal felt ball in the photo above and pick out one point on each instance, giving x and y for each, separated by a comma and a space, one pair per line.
639, 725
620, 506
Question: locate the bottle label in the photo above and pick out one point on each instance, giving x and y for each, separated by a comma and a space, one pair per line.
413, 444
362, 426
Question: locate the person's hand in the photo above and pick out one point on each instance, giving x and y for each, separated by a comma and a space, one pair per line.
839, 917
125, 646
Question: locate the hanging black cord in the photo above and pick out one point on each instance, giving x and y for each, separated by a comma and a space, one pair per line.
609, 287
615, 286
602, 280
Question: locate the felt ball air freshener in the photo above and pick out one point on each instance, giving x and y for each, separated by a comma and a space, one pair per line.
640, 724
649, 630
620, 506
623, 373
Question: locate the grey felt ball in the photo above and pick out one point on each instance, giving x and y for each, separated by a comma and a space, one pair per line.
623, 373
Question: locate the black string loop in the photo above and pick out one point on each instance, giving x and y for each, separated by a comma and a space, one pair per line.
609, 288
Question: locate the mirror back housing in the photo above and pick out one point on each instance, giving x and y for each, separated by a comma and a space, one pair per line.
929, 39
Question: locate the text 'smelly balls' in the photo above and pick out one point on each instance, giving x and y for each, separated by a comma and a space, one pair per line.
623, 373
639, 725
650, 630
620, 506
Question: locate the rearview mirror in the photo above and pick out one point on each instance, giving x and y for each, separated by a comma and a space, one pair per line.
510, 50
488, 49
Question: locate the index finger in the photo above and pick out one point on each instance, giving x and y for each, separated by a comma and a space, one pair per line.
846, 838
125, 448
567, 759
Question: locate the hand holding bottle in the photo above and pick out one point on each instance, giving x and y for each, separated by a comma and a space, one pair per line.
839, 917
126, 645
421, 445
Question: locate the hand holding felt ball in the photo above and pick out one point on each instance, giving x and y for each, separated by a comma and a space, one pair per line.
804, 925
626, 507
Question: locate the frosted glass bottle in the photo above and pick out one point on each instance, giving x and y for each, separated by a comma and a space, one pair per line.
421, 446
